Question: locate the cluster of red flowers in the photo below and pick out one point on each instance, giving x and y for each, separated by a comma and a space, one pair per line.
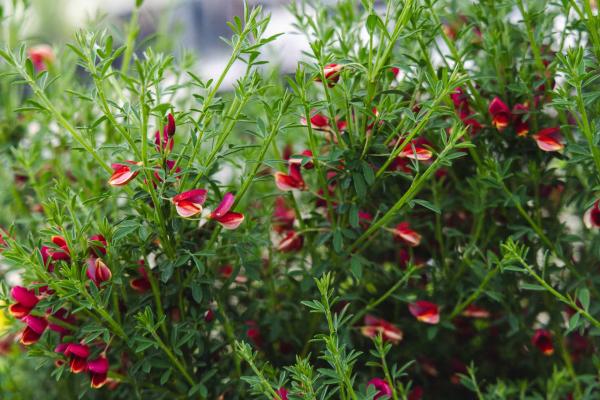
62, 321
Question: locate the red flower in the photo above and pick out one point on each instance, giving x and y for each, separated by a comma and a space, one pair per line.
122, 173
41, 56
549, 139
34, 329
332, 74
472, 311
283, 216
282, 393
254, 334
227, 270
375, 326
170, 127
425, 311
542, 339
98, 369
592, 216
403, 232
227, 219
26, 300
166, 141
520, 112
416, 150
500, 114
292, 241
98, 271
98, 246
163, 141
383, 388
59, 253
318, 122
299, 158
292, 180
189, 203
142, 283
209, 316
77, 354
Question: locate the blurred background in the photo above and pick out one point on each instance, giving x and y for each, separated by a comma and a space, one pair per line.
184, 25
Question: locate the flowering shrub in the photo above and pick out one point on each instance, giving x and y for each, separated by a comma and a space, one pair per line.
412, 214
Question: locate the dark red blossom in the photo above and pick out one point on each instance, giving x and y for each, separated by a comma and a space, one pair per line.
520, 113
141, 284
542, 339
25, 299
425, 311
592, 216
383, 388
282, 393
98, 370
500, 113
35, 327
254, 334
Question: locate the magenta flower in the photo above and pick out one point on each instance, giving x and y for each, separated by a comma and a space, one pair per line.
189, 203
25, 299
227, 219
425, 311
383, 388
34, 329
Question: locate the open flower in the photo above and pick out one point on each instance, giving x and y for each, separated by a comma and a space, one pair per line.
292, 241
189, 203
122, 173
98, 271
34, 329
592, 216
375, 326
332, 74
292, 180
549, 139
425, 311
26, 300
542, 339
227, 219
98, 370
520, 121
383, 388
500, 114
403, 232
77, 354
417, 150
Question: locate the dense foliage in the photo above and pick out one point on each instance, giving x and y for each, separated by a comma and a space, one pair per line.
412, 214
